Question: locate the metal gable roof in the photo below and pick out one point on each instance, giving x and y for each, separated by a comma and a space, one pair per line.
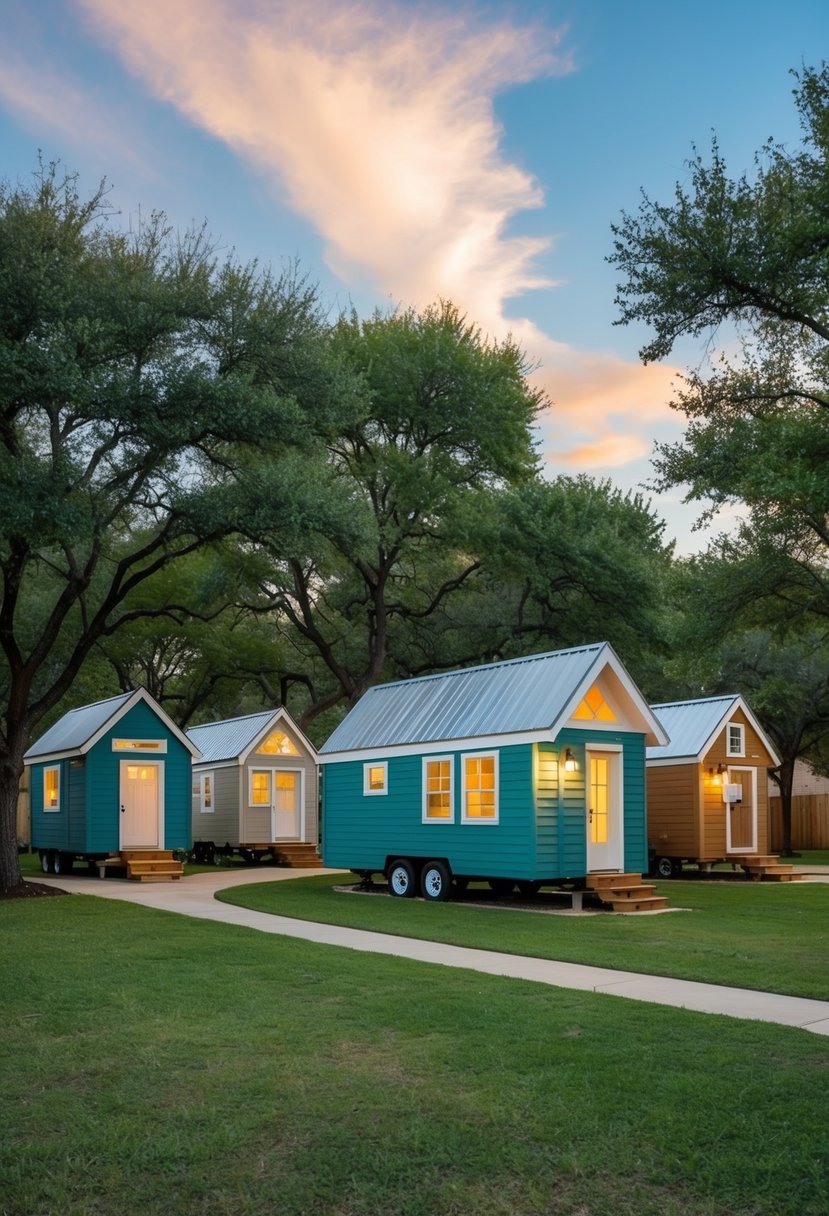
232, 738
79, 729
691, 724
531, 694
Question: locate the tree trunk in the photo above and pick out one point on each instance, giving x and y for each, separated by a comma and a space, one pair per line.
10, 771
786, 783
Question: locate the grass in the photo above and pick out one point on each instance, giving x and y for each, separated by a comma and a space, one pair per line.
157, 1064
768, 937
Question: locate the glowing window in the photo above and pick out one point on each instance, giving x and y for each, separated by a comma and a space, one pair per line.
139, 745
375, 778
260, 788
278, 744
51, 789
480, 788
437, 790
599, 810
206, 793
594, 708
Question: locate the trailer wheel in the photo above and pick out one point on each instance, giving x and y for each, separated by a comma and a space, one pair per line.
528, 887
665, 867
401, 878
45, 861
58, 863
435, 881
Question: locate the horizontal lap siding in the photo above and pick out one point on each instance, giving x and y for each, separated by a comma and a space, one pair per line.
103, 782
360, 831
673, 798
547, 763
50, 829
636, 833
222, 825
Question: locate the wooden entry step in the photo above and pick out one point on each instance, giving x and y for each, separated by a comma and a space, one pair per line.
297, 855
152, 865
768, 869
625, 892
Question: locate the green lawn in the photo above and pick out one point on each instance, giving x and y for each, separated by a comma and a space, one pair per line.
157, 1064
772, 937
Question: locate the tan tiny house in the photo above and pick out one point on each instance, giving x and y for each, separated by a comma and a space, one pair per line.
255, 789
708, 787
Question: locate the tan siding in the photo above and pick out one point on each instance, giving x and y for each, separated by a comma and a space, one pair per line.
256, 821
756, 756
672, 803
222, 827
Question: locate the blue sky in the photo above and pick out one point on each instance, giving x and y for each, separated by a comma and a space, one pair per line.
406, 151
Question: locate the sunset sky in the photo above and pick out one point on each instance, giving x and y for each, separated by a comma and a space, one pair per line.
409, 151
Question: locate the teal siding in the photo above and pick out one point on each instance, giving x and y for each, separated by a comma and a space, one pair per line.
636, 819
360, 832
103, 783
50, 829
77, 805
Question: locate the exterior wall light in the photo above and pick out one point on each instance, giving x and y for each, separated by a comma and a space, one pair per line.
570, 765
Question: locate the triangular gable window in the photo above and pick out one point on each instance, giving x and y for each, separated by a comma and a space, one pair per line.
594, 708
278, 744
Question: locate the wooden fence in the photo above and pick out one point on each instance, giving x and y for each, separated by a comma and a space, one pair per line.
810, 822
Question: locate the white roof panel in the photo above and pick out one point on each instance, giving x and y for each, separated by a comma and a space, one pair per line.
530, 694
232, 738
690, 725
76, 727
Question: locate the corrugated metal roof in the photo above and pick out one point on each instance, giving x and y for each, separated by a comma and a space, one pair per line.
690, 724
75, 728
227, 740
526, 694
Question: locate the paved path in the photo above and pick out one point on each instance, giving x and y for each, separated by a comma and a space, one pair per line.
194, 896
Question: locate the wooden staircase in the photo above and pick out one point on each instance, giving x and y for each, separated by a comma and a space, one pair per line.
297, 856
768, 869
625, 892
151, 865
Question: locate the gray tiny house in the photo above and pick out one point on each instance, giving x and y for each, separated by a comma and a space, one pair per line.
526, 771
110, 779
255, 789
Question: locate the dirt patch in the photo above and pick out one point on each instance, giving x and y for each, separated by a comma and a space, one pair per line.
31, 890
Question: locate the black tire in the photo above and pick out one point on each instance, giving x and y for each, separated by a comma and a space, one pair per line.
45, 861
665, 867
501, 886
528, 887
57, 863
435, 881
401, 879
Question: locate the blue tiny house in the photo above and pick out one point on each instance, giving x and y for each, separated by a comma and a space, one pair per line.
530, 771
110, 779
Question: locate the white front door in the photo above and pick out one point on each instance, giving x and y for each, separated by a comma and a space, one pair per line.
286, 805
741, 817
142, 783
605, 825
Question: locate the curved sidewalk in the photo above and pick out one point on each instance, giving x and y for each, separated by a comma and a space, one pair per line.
194, 896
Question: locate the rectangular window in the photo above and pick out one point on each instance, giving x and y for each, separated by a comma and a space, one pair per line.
437, 790
376, 778
260, 787
479, 799
139, 745
206, 793
735, 739
51, 788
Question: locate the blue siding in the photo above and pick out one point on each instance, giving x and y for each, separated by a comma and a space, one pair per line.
360, 832
636, 825
50, 829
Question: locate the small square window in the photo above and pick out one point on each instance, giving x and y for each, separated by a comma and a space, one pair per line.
376, 778
735, 739
479, 800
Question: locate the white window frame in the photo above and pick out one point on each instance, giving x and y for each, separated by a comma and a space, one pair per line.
479, 819
139, 745
426, 817
204, 778
729, 750
258, 806
51, 810
367, 790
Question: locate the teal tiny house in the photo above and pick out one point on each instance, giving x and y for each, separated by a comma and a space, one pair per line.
110, 779
528, 771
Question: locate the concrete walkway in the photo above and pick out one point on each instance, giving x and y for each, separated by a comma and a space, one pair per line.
194, 896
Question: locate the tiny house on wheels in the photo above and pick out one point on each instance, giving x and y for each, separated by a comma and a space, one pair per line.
255, 790
110, 784
708, 789
528, 772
